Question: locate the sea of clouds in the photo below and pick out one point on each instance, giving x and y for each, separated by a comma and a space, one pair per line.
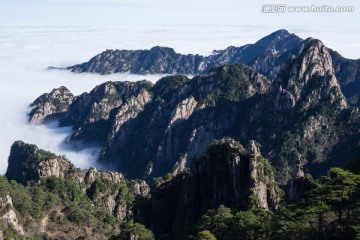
26, 52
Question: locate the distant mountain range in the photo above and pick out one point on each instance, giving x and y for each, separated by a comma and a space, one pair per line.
298, 113
176, 154
266, 56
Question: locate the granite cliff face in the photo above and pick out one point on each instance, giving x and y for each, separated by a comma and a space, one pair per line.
155, 60
231, 174
43, 195
51, 105
348, 73
267, 56
306, 106
30, 165
92, 114
227, 174
8, 216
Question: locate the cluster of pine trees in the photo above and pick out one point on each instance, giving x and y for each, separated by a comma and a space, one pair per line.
329, 209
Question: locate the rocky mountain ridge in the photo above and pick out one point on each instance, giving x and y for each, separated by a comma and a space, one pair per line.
267, 56
227, 174
160, 128
30, 165
156, 60
170, 103
51, 105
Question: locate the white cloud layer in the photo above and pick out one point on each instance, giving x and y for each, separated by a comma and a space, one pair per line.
25, 52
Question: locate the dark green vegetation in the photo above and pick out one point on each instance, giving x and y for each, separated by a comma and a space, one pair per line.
63, 210
219, 197
55, 200
67, 211
329, 209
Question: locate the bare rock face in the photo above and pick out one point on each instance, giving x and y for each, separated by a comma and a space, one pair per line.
29, 165
309, 79
299, 112
155, 60
262, 179
51, 105
309, 87
8, 216
183, 110
155, 131
314, 66
141, 188
262, 56
91, 114
122, 126
56, 167
233, 173
227, 174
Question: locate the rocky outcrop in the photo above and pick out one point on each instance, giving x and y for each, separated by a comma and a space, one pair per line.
91, 114
305, 91
8, 216
233, 173
227, 175
347, 72
155, 60
309, 79
183, 111
265, 56
141, 188
50, 105
29, 165
123, 117
262, 182
122, 127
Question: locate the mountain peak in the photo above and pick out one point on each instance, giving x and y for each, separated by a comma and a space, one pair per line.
315, 59
281, 32
309, 78
278, 40
159, 48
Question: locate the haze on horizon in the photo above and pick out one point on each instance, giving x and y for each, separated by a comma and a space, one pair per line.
175, 12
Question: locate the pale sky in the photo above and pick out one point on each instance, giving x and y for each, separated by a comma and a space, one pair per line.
169, 12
